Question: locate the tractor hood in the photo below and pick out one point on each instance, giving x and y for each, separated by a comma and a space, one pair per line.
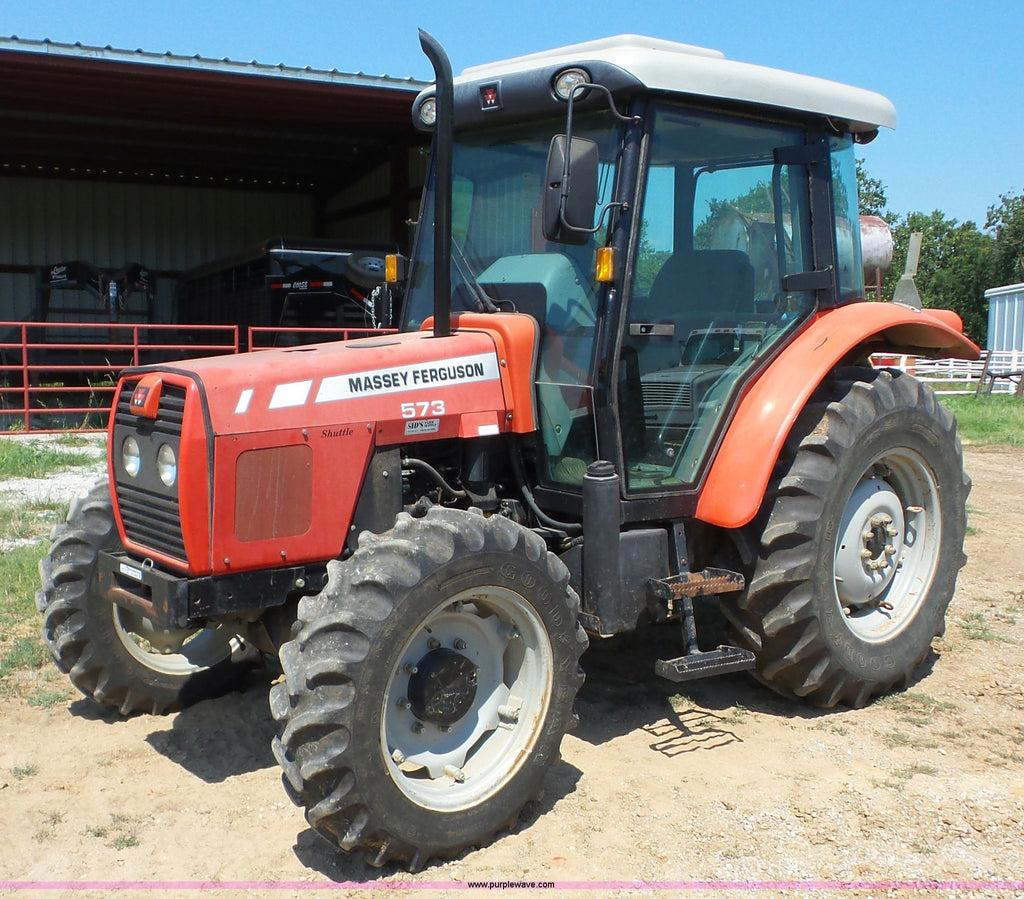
385, 380
259, 460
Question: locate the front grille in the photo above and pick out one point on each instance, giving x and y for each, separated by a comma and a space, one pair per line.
150, 513
668, 394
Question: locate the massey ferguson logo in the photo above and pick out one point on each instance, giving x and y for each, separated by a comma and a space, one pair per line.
477, 369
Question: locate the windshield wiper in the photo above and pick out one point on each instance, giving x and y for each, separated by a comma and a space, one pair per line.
483, 302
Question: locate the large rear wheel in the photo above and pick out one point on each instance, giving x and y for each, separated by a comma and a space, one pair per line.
113, 656
859, 542
429, 686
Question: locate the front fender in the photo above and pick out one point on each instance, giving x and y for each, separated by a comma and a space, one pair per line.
738, 477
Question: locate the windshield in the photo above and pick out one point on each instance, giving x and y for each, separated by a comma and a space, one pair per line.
497, 233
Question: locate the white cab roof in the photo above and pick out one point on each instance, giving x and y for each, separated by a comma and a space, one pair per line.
682, 68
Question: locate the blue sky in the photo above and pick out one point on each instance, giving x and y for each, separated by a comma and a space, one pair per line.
955, 70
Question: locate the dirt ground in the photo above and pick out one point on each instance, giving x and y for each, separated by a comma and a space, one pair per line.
718, 782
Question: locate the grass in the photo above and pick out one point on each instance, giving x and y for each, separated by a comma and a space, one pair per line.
915, 703
988, 420
20, 772
21, 648
894, 739
24, 459
975, 627
907, 773
19, 578
32, 519
119, 834
46, 699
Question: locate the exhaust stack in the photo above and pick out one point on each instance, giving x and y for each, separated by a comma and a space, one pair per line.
443, 140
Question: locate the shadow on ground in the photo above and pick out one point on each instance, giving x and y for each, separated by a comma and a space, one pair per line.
221, 738
318, 854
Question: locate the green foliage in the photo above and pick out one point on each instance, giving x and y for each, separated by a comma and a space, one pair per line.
1007, 222
20, 646
871, 195
648, 263
35, 460
26, 653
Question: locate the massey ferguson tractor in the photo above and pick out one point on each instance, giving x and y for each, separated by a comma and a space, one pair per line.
631, 376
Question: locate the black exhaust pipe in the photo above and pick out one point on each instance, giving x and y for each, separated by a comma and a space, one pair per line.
444, 94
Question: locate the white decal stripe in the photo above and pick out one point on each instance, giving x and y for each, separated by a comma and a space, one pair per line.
243, 401
288, 395
419, 376
487, 430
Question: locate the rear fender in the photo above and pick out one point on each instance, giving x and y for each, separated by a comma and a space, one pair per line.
739, 474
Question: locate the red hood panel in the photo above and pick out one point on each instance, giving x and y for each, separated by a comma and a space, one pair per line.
395, 377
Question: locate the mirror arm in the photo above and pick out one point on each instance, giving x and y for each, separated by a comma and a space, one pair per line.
623, 206
581, 89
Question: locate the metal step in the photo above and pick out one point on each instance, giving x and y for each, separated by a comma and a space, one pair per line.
696, 665
709, 582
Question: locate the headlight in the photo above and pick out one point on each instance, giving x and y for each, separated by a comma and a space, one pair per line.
428, 112
167, 465
566, 82
131, 457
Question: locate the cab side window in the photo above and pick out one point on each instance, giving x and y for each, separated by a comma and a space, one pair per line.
722, 223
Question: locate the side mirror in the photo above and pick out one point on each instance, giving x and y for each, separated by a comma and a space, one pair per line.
570, 190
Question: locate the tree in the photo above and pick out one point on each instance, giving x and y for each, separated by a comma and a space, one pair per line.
1007, 221
871, 195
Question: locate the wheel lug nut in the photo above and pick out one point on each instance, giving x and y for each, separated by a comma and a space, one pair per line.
398, 756
456, 774
865, 554
445, 728
417, 728
433, 643
890, 550
403, 703
892, 531
508, 714
459, 644
410, 669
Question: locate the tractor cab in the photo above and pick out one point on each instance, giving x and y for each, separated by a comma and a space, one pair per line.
699, 197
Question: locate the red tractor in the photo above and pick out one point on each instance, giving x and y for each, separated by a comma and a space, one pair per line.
425, 527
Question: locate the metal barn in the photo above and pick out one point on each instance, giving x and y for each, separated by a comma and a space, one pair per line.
126, 171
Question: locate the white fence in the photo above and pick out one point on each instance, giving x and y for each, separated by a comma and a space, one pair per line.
997, 371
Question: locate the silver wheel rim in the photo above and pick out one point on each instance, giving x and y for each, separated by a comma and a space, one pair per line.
175, 653
888, 546
497, 635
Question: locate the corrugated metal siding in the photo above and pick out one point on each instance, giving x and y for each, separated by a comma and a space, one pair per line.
169, 228
1006, 317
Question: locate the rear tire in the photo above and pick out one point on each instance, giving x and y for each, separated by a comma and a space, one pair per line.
859, 542
429, 686
112, 656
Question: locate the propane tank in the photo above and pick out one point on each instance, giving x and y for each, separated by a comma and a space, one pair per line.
875, 244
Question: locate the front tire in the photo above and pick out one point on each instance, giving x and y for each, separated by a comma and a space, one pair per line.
859, 542
112, 656
429, 686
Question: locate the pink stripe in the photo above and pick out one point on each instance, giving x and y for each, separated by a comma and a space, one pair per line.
936, 885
